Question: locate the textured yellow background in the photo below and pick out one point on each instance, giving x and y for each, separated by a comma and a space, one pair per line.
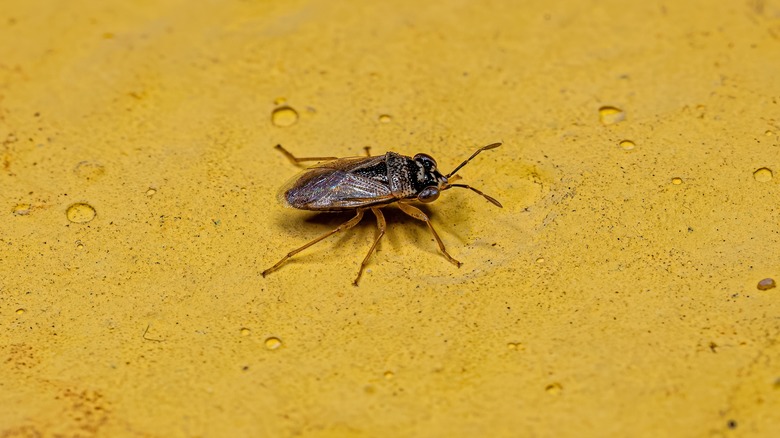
614, 295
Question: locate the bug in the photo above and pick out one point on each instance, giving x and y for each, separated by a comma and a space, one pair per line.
370, 183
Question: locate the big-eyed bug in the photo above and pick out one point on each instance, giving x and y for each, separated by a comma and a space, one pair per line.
370, 183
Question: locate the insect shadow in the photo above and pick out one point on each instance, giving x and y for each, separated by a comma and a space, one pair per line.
398, 231
360, 184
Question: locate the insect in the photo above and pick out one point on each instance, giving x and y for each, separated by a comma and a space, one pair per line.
370, 183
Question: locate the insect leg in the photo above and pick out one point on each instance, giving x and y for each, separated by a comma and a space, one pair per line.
382, 226
343, 227
419, 215
368, 150
297, 160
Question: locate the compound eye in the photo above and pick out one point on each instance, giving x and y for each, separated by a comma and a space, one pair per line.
428, 194
426, 160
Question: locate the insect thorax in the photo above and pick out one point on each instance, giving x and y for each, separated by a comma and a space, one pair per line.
406, 177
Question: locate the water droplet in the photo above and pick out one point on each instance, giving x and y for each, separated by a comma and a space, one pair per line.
79, 245
385, 118
20, 311
769, 133
284, 116
766, 284
80, 213
89, 170
554, 388
389, 375
763, 175
245, 331
151, 192
21, 209
540, 260
627, 145
677, 181
273, 343
516, 346
610, 115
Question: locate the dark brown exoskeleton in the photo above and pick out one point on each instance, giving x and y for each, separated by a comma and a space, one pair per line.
362, 183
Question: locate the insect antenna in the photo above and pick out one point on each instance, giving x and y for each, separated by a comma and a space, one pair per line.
493, 200
484, 148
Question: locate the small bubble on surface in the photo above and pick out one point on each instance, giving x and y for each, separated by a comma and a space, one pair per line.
610, 115
385, 118
280, 101
273, 343
769, 133
515, 346
540, 260
763, 175
244, 331
80, 213
150, 192
389, 375
627, 145
766, 284
677, 181
89, 170
20, 311
79, 245
21, 209
284, 116
554, 388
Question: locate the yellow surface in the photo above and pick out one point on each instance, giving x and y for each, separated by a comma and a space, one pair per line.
615, 294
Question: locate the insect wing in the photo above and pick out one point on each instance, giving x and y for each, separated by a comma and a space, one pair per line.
329, 188
349, 164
